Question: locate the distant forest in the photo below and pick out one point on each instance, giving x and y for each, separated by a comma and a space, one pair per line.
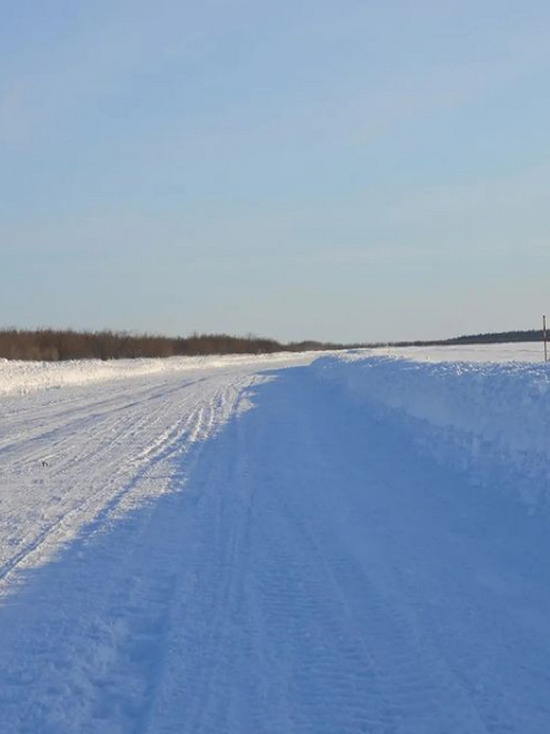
56, 345
532, 335
53, 345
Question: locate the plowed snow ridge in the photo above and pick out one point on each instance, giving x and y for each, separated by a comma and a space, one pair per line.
341, 545
24, 377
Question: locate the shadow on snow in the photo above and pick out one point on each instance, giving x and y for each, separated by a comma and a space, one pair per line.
306, 571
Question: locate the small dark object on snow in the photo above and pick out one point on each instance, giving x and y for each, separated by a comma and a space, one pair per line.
44, 462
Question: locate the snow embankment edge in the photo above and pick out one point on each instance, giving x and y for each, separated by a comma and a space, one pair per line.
490, 420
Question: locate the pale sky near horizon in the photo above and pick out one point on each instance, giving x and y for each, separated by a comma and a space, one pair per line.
350, 171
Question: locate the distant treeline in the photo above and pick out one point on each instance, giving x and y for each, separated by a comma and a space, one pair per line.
55, 345
532, 335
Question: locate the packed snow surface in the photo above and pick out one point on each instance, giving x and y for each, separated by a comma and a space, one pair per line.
344, 543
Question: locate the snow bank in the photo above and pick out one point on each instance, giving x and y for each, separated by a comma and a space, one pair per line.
24, 377
492, 420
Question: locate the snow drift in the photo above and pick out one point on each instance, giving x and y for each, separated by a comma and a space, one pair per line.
491, 420
17, 377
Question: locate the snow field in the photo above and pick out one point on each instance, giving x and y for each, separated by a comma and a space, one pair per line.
503, 352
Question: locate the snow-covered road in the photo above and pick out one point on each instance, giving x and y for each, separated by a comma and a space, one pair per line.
251, 550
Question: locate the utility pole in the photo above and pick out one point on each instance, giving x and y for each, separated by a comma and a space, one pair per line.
545, 338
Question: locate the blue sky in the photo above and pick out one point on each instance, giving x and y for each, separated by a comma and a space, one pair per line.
350, 171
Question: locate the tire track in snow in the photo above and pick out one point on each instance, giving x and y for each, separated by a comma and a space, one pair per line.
286, 626
124, 611
99, 440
